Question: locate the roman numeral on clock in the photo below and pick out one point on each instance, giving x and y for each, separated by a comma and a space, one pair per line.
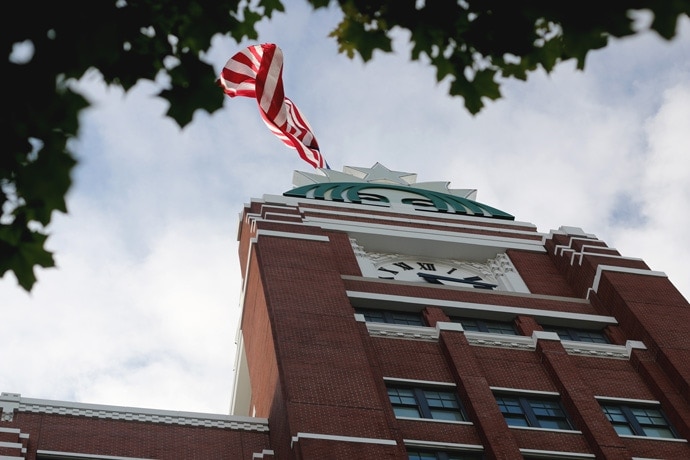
392, 272
426, 266
403, 265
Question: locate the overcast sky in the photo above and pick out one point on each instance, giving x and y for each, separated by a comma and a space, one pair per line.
143, 306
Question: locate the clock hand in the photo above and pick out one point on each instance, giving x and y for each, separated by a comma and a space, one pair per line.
473, 280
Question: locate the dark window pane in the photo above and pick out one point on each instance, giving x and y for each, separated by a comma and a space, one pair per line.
648, 416
403, 402
554, 424
578, 335
411, 319
421, 456
441, 399
401, 396
443, 455
391, 317
509, 405
446, 415
658, 432
636, 420
512, 412
546, 408
468, 324
372, 316
400, 411
652, 422
614, 414
425, 403
480, 325
592, 336
623, 429
541, 413
496, 327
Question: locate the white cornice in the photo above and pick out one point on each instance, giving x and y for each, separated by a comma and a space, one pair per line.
339, 438
515, 342
60, 455
11, 402
614, 268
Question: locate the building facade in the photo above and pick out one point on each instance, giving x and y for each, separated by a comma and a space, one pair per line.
388, 319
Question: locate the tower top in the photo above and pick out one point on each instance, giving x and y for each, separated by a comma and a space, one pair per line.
377, 174
381, 186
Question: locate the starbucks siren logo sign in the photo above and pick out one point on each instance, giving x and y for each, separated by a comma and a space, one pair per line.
382, 187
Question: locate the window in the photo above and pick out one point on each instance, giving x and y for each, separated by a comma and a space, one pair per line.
390, 316
442, 455
533, 411
425, 403
479, 325
638, 420
578, 335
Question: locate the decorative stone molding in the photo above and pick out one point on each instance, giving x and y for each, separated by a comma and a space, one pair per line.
357, 249
9, 402
516, 342
603, 350
338, 438
399, 331
501, 265
484, 339
13, 401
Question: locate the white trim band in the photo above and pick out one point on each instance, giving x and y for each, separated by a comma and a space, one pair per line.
57, 455
419, 443
14, 401
615, 268
297, 236
555, 454
339, 438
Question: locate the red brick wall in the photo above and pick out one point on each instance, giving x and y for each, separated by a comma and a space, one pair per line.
411, 359
259, 345
540, 273
134, 439
332, 371
326, 383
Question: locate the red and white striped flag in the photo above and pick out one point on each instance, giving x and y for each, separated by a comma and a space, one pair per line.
257, 71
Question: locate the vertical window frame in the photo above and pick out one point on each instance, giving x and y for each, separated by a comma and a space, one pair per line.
404, 318
631, 420
443, 455
425, 410
482, 325
529, 412
577, 335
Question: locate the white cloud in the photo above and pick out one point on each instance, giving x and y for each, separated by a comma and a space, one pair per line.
664, 190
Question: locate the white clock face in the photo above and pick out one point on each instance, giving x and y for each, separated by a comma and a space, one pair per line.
434, 272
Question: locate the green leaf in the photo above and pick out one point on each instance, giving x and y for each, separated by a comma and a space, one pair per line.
357, 33
21, 250
666, 15
485, 85
193, 87
246, 27
270, 6
319, 3
550, 53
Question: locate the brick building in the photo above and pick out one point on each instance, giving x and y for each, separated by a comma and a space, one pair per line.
384, 318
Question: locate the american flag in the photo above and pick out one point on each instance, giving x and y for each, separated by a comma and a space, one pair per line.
257, 71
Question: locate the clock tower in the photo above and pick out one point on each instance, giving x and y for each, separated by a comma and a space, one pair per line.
385, 318
388, 318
